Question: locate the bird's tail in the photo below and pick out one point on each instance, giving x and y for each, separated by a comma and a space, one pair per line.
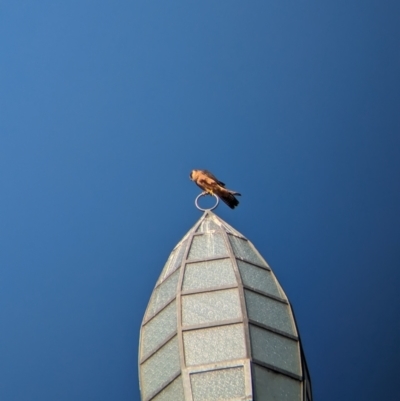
228, 197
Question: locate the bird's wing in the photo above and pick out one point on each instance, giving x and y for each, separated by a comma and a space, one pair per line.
227, 196
213, 177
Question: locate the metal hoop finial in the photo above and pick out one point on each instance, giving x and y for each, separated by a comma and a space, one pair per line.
204, 194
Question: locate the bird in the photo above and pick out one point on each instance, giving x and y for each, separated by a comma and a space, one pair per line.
211, 185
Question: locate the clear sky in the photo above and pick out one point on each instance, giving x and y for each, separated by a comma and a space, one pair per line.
106, 106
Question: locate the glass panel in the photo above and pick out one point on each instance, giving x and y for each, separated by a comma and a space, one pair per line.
213, 273
214, 344
223, 384
162, 295
160, 368
271, 386
174, 261
259, 279
173, 392
230, 229
158, 329
243, 250
269, 312
210, 307
208, 246
275, 350
208, 225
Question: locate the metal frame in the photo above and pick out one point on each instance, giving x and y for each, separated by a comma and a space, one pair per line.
246, 363
196, 202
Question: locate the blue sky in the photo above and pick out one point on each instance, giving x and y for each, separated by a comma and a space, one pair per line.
106, 106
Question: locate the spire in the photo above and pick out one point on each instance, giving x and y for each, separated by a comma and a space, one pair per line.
219, 326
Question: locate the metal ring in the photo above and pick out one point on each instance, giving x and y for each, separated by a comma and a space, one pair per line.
204, 194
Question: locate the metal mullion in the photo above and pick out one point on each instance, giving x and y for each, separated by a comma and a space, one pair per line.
214, 230
298, 334
165, 279
186, 238
257, 253
185, 375
308, 380
254, 264
159, 311
197, 225
208, 259
305, 375
165, 384
209, 367
308, 389
210, 289
274, 297
228, 227
159, 283
243, 363
218, 323
276, 369
241, 295
274, 330
267, 267
209, 213
169, 338
304, 366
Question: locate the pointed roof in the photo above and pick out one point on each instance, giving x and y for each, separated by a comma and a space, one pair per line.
219, 325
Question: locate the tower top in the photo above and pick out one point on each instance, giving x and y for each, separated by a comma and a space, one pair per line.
219, 326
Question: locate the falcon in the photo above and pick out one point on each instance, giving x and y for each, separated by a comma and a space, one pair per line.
211, 185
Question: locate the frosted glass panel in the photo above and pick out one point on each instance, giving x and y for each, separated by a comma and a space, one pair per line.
162, 295
229, 228
208, 246
158, 329
173, 392
259, 279
208, 225
244, 250
214, 344
269, 312
213, 273
275, 350
210, 307
271, 386
174, 261
160, 368
223, 384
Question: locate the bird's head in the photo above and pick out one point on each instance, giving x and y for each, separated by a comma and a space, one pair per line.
192, 174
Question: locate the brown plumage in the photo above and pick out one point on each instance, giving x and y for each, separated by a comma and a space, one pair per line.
210, 184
